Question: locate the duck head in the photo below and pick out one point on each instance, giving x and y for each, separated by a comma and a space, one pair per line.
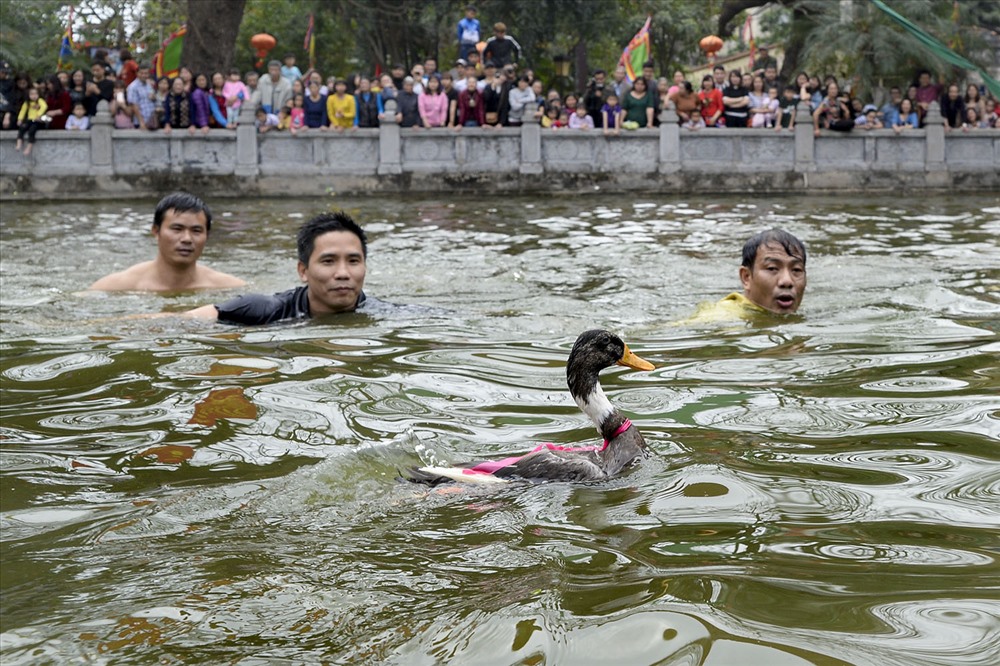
595, 350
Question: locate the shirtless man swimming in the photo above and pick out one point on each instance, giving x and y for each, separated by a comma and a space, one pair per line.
180, 226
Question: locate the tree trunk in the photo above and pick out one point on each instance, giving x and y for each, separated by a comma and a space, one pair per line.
582, 69
212, 28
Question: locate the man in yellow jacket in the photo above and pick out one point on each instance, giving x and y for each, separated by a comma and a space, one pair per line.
773, 275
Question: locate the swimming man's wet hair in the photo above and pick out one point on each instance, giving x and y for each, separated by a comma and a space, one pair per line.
181, 202
325, 223
793, 246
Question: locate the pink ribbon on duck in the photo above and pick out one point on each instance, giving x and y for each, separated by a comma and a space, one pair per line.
491, 466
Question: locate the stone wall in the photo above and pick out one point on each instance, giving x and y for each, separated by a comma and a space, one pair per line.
526, 159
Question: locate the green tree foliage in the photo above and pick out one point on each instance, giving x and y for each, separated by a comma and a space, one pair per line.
859, 43
30, 34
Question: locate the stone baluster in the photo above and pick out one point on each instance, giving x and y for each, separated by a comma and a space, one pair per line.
247, 159
670, 141
101, 149
805, 140
389, 145
531, 148
934, 129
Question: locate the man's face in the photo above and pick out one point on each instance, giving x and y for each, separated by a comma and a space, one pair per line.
275, 73
142, 75
720, 77
97, 72
896, 94
181, 237
252, 80
430, 66
925, 80
619, 74
336, 272
770, 72
599, 77
777, 281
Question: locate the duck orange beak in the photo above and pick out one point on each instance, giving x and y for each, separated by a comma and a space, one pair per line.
630, 360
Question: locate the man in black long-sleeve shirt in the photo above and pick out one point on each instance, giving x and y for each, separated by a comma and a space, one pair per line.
501, 48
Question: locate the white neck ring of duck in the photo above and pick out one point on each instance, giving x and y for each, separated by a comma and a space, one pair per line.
596, 406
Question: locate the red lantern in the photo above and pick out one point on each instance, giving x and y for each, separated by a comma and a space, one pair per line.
263, 43
710, 45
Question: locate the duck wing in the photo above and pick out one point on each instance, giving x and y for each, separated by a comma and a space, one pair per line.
552, 464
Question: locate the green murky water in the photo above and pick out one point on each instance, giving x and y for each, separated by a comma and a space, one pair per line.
824, 489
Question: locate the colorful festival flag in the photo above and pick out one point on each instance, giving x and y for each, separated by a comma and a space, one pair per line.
310, 43
168, 58
637, 52
67, 45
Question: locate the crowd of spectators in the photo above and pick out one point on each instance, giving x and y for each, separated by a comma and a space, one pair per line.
484, 88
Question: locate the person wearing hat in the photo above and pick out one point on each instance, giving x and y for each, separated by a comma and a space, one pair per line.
274, 89
458, 75
501, 48
468, 33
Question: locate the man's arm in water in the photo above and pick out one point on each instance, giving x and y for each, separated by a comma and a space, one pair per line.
206, 312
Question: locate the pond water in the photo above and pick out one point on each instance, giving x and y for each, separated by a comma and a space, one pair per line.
824, 488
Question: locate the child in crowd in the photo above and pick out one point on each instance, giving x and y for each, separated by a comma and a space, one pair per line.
784, 117
773, 102
79, 120
580, 119
297, 114
551, 117
289, 70
284, 119
868, 118
29, 119
265, 121
235, 91
611, 115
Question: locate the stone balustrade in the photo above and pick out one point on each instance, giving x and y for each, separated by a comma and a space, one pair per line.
525, 159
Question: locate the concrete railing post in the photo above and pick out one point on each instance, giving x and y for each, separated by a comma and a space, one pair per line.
389, 146
531, 148
247, 158
805, 141
670, 141
934, 129
101, 150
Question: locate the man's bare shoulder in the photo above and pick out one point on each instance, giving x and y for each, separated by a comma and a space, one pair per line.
133, 278
209, 278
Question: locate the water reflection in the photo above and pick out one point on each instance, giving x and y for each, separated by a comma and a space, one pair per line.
822, 489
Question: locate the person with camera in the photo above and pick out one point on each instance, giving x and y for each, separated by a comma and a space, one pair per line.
594, 98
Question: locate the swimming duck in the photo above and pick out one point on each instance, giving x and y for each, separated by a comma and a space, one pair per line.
623, 444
